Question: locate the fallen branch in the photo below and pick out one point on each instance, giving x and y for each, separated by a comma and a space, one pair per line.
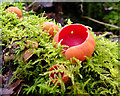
111, 25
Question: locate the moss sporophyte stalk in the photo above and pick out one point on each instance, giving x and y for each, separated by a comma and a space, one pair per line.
98, 74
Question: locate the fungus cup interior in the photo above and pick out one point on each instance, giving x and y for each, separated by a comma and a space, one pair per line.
73, 35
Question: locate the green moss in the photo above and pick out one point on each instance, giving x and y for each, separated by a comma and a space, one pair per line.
99, 74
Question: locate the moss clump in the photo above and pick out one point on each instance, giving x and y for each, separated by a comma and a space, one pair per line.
99, 74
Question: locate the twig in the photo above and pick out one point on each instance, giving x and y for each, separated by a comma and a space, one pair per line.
29, 6
111, 25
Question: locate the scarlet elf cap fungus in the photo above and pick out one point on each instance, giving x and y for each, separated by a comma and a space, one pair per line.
79, 40
56, 75
15, 10
50, 27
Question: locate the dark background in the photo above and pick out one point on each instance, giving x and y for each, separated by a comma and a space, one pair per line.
106, 12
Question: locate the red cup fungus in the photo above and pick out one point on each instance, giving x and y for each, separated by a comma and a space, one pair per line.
52, 75
50, 27
15, 10
79, 40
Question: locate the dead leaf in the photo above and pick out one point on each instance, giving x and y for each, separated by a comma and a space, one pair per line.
5, 91
15, 84
6, 78
1, 78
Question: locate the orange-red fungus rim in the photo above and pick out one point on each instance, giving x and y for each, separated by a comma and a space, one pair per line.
79, 40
